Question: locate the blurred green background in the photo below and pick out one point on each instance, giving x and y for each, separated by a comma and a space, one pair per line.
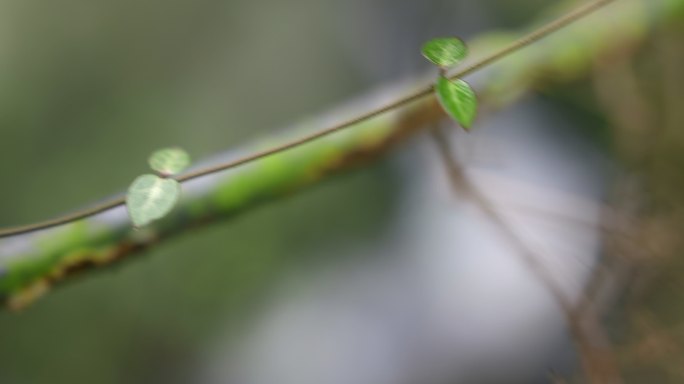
88, 88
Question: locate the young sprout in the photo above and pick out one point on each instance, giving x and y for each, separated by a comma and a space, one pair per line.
169, 161
151, 197
458, 100
445, 51
456, 97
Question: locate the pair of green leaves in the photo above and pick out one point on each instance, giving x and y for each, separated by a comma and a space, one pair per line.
456, 96
151, 197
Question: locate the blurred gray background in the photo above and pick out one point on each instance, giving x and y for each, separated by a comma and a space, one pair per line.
379, 276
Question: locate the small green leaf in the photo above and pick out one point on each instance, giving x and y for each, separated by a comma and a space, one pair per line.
458, 100
169, 161
151, 197
445, 51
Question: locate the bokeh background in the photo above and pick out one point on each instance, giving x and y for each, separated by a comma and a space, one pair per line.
376, 276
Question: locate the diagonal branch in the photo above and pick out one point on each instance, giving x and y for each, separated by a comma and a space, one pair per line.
33, 262
428, 90
598, 364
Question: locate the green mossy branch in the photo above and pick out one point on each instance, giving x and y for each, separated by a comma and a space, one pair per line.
31, 264
498, 54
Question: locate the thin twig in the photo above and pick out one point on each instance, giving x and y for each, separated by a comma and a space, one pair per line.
598, 365
426, 91
462, 183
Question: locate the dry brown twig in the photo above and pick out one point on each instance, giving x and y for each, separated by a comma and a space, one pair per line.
593, 346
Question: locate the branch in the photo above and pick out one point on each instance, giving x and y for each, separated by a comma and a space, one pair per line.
597, 363
426, 91
28, 270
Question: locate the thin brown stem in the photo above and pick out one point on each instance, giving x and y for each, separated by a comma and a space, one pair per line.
584, 326
462, 183
426, 91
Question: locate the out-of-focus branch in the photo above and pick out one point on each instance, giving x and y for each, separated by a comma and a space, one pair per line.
30, 264
644, 109
594, 352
